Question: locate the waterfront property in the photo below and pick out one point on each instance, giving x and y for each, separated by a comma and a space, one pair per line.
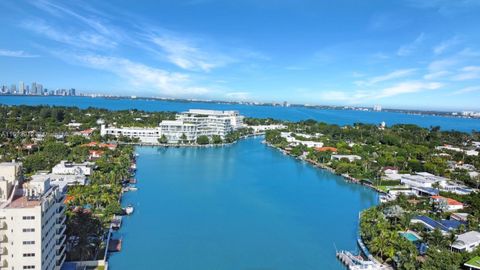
445, 226
187, 127
66, 167
32, 222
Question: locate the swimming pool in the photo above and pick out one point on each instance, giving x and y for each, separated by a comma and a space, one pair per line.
410, 236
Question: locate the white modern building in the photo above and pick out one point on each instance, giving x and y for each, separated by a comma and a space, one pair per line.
422, 179
32, 223
192, 124
293, 141
65, 167
350, 158
61, 180
467, 241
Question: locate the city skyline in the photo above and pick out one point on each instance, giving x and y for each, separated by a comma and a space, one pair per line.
400, 55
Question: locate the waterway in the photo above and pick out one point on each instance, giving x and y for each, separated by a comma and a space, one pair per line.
245, 206
339, 117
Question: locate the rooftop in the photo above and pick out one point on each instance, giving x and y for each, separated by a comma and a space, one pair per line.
474, 262
23, 202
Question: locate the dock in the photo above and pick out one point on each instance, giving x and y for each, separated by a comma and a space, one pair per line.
115, 245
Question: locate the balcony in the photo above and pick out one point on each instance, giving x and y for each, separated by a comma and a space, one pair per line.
61, 241
61, 209
60, 198
61, 250
61, 220
4, 263
61, 230
3, 238
3, 251
3, 225
61, 260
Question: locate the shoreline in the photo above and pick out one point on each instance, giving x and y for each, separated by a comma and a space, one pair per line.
346, 178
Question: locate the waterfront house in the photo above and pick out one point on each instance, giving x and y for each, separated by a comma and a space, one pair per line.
467, 241
263, 128
445, 226
421, 179
446, 204
326, 149
350, 158
66, 167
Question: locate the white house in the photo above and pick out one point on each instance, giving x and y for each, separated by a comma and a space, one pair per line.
447, 204
350, 158
467, 241
65, 167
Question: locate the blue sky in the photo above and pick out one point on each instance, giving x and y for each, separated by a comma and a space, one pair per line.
399, 54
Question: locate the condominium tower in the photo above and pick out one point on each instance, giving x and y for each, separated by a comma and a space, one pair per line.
32, 222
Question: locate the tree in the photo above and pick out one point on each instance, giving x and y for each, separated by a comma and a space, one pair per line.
216, 139
183, 138
163, 139
202, 140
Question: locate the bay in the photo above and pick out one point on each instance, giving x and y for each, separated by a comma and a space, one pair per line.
339, 117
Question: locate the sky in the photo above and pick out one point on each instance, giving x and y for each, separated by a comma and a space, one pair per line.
399, 53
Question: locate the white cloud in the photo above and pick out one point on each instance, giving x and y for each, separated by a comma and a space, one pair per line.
79, 39
436, 75
468, 73
443, 64
184, 54
407, 87
411, 47
467, 90
21, 54
402, 88
143, 77
401, 73
445, 45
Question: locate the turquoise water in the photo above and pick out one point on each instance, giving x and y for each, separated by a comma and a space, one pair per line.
410, 237
340, 117
245, 207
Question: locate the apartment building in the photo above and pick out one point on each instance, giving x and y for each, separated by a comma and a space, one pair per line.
32, 222
192, 123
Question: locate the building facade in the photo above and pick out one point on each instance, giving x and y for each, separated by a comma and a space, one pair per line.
32, 224
188, 126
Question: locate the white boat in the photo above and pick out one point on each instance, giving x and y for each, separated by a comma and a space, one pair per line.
133, 188
129, 209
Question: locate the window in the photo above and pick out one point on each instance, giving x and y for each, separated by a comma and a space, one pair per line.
28, 218
28, 254
28, 229
29, 267
29, 242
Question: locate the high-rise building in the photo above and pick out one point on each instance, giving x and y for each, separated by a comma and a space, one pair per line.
13, 89
21, 88
377, 108
32, 221
33, 89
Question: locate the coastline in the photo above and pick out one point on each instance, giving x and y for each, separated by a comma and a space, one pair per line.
346, 177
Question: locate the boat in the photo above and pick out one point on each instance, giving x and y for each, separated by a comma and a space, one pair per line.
132, 188
129, 209
116, 222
